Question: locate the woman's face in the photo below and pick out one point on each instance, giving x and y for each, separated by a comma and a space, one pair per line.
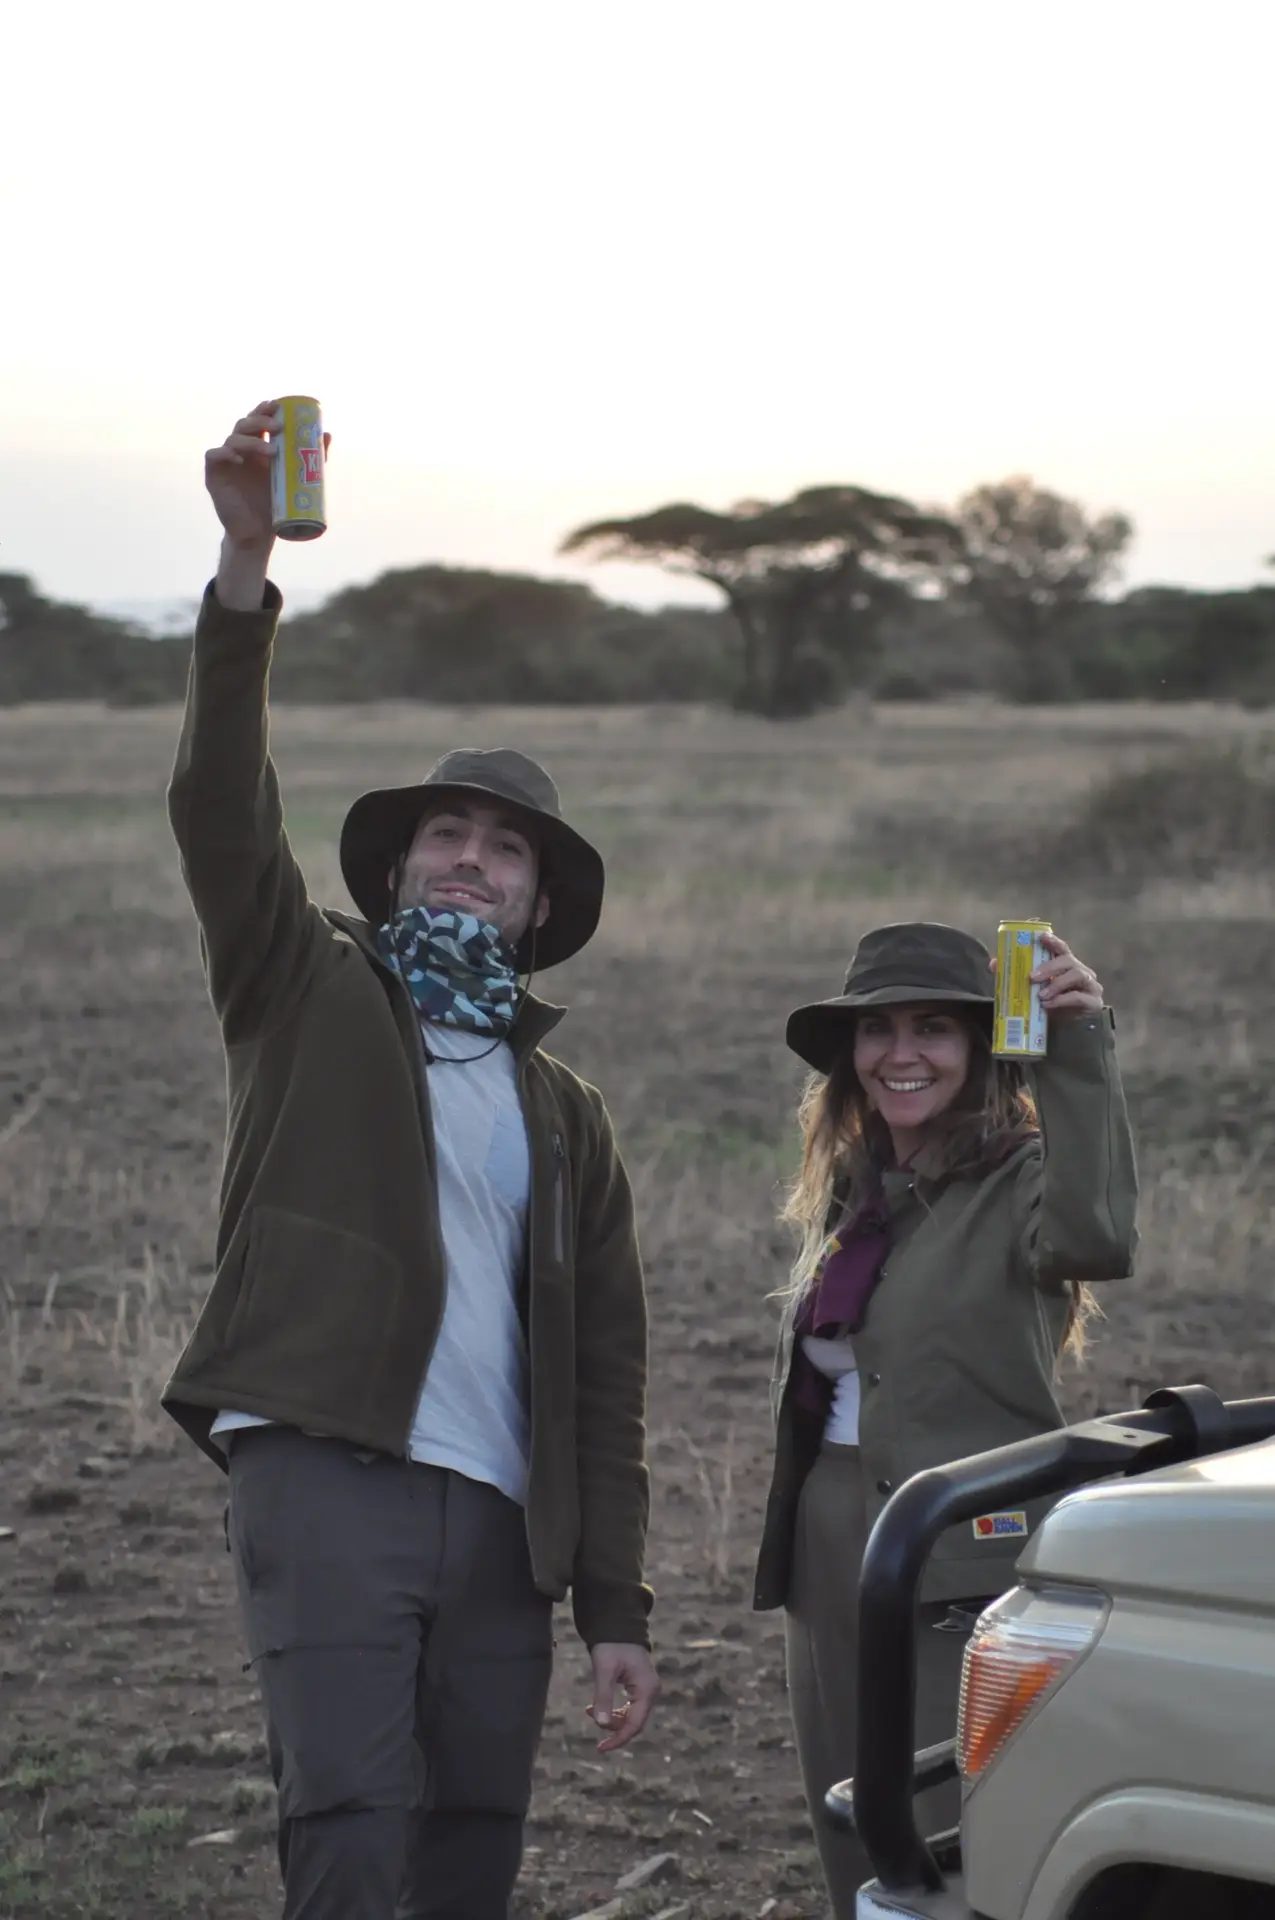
911, 1063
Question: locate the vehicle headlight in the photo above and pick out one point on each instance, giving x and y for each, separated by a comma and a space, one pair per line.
1023, 1647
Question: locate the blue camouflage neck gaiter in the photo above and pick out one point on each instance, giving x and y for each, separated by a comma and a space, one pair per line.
457, 967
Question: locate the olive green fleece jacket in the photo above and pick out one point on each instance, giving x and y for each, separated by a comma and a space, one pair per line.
329, 1280
958, 1348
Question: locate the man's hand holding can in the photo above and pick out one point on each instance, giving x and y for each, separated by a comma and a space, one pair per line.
239, 478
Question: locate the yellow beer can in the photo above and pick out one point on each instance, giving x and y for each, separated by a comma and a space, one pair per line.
296, 473
1020, 1026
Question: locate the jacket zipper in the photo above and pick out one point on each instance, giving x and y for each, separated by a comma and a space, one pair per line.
559, 1182
559, 1155
425, 1114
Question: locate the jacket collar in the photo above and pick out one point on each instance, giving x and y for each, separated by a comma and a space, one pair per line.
920, 1179
925, 1175
899, 1185
536, 1018
926, 1167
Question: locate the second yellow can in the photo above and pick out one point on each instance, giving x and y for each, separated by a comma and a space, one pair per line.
1020, 1026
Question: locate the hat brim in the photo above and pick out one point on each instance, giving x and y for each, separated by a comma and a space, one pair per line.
818, 1033
379, 828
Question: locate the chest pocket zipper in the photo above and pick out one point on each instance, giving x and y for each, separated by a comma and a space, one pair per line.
559, 1199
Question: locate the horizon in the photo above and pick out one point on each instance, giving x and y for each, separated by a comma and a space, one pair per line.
173, 617
545, 268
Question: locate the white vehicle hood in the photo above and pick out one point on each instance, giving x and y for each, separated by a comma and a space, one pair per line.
1203, 1531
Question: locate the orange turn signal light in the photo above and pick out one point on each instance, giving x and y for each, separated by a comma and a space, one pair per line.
1023, 1647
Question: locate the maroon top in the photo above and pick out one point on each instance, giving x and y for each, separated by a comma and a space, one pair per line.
836, 1302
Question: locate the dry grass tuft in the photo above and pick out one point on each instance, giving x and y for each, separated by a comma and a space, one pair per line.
744, 862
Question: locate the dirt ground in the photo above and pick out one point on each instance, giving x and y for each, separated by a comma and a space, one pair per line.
745, 860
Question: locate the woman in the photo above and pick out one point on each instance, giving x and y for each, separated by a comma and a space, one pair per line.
970, 1204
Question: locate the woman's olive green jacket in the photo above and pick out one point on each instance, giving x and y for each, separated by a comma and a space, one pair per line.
958, 1349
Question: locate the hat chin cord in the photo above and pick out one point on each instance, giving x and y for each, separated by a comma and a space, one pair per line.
444, 1059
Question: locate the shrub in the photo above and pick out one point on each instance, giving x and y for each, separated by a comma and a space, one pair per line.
1181, 818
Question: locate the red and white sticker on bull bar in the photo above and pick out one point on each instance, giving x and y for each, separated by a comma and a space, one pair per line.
1001, 1526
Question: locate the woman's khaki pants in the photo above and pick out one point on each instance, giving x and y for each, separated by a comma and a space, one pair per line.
822, 1637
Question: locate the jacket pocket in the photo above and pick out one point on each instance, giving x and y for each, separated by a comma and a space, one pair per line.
316, 1312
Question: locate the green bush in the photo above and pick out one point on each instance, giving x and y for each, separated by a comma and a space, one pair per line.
1208, 810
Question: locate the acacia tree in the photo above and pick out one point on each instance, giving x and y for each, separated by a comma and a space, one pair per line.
809, 579
1030, 561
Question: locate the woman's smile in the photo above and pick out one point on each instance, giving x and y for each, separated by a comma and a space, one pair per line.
911, 1062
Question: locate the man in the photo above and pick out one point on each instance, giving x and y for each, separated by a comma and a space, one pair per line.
423, 1354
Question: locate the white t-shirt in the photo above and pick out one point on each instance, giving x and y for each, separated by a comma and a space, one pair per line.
472, 1414
835, 1360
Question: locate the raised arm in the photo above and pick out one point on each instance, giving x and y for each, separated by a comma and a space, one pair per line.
259, 932
1079, 1199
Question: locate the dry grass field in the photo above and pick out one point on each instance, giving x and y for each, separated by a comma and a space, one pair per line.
745, 859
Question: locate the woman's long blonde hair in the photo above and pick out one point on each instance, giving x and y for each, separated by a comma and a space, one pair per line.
846, 1147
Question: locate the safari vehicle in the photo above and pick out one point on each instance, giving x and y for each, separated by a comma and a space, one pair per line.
1117, 1735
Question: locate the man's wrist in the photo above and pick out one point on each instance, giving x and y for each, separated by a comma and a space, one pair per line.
242, 571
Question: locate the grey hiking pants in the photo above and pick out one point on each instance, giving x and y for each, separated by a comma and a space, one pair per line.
822, 1643
403, 1655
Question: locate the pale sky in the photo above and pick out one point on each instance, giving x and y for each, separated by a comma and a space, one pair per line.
548, 260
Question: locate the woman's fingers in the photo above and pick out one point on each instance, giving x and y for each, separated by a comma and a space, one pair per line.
1062, 963
1066, 984
1057, 949
1076, 988
1069, 1005
1085, 982
1055, 970
1073, 974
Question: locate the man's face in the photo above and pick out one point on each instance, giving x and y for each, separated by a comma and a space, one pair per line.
476, 858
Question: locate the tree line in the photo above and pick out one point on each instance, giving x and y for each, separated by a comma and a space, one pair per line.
834, 592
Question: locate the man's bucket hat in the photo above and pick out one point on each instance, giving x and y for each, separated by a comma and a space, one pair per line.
380, 826
913, 961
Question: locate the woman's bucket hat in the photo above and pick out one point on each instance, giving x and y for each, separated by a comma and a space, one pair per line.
912, 962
